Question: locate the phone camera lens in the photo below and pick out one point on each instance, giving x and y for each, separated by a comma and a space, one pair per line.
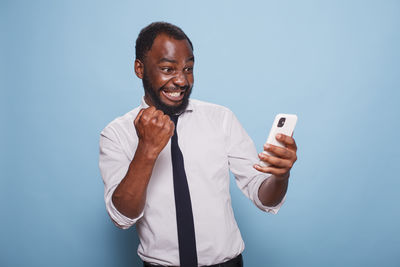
281, 122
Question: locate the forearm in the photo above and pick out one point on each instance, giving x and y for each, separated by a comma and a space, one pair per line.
130, 195
272, 190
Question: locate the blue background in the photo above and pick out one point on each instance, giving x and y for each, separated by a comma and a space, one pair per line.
67, 70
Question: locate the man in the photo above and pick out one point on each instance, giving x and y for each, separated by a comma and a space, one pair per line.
166, 163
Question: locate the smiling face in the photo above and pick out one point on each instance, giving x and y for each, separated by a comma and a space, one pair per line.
167, 74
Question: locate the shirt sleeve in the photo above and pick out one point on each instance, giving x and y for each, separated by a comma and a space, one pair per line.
242, 156
113, 164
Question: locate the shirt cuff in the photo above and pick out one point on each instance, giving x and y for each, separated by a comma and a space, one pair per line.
117, 217
257, 201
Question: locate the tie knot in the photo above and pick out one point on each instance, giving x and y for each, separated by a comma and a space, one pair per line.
174, 118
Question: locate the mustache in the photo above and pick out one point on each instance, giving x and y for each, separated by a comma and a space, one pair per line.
174, 88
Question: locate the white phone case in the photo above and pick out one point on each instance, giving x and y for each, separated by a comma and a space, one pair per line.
286, 128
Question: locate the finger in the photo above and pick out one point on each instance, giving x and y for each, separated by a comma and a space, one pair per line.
166, 120
281, 152
156, 117
271, 170
158, 114
151, 109
162, 122
168, 128
135, 122
288, 141
169, 124
147, 115
275, 161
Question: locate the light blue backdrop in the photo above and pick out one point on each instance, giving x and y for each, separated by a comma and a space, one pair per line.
67, 70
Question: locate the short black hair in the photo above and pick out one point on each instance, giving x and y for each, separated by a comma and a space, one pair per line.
146, 37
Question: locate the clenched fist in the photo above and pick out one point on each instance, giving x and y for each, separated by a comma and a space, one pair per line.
154, 130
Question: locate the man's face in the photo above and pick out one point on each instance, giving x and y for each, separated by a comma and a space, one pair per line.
168, 74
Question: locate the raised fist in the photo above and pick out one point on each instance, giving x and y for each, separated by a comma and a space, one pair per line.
154, 129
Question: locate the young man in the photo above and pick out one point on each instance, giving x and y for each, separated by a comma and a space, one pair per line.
166, 163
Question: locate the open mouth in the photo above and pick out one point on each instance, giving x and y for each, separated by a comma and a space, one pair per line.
174, 96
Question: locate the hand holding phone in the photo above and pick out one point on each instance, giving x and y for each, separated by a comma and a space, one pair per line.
283, 124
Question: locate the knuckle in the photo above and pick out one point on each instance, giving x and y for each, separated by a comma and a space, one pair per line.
267, 158
145, 116
165, 128
263, 169
158, 113
159, 124
270, 148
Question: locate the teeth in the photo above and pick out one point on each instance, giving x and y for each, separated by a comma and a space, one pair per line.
174, 94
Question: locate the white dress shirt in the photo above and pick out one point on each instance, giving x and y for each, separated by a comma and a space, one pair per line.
212, 142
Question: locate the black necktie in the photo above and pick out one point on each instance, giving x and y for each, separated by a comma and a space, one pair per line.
183, 205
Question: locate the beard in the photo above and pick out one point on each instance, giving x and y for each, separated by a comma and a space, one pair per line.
154, 94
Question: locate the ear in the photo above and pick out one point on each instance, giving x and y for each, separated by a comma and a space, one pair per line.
139, 68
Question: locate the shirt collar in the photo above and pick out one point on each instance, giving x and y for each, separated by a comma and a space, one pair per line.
190, 106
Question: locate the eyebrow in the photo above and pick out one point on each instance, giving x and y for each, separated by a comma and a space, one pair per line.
164, 59
190, 59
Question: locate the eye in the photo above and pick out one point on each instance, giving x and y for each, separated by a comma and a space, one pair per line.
188, 69
167, 70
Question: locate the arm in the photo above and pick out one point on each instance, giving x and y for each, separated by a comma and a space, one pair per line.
273, 189
154, 129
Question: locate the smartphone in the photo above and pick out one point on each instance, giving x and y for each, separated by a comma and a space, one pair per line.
284, 124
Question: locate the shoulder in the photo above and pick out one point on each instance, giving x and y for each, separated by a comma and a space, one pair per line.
122, 124
217, 116
209, 108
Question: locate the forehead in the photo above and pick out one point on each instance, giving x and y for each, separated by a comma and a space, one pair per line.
165, 46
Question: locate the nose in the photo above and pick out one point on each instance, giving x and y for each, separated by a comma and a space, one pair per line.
180, 79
